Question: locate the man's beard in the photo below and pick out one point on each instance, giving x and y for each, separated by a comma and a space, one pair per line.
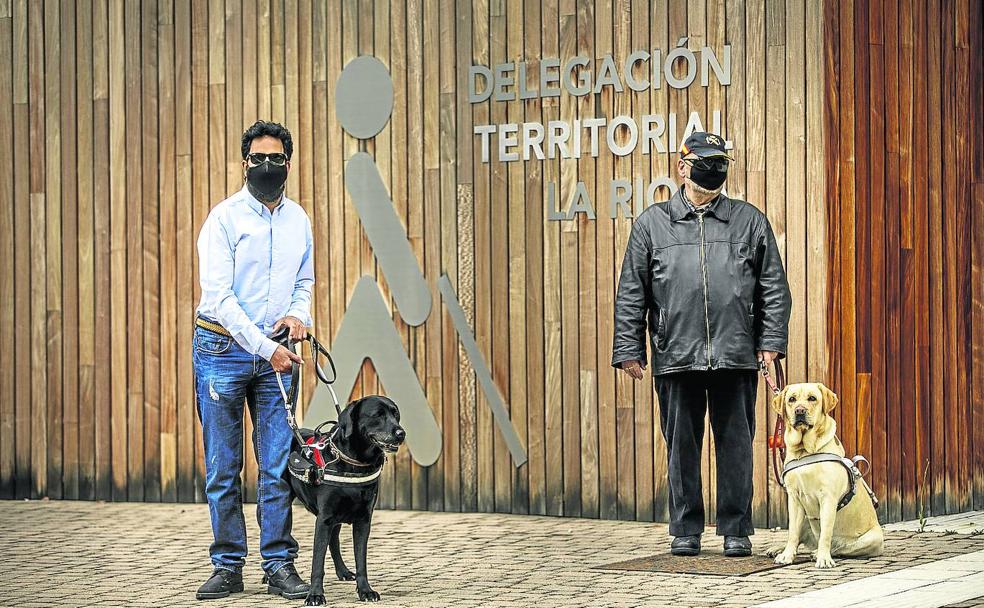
702, 190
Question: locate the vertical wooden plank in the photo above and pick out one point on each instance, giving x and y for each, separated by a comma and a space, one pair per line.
968, 68
553, 392
150, 255
624, 385
411, 57
484, 482
85, 253
445, 495
170, 329
570, 381
862, 236
534, 471
891, 418
847, 359
976, 48
428, 480
22, 244
874, 251
51, 227
7, 275
135, 199
937, 466
38, 411
920, 201
118, 234
184, 274
516, 318
456, 416
103, 392
498, 301
68, 245
587, 323
606, 279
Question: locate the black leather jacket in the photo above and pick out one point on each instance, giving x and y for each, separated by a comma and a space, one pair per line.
712, 288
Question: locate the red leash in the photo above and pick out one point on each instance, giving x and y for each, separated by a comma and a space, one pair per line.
777, 444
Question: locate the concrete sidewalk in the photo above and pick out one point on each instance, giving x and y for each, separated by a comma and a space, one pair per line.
63, 553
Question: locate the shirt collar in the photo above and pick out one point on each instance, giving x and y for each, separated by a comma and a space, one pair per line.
256, 205
681, 207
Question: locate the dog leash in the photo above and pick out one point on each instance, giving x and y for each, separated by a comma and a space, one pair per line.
290, 397
777, 444
290, 403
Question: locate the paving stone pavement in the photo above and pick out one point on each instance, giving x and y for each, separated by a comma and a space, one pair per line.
62, 553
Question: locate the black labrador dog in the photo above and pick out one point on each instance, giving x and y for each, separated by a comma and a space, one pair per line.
367, 430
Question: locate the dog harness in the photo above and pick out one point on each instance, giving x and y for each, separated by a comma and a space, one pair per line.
312, 462
850, 465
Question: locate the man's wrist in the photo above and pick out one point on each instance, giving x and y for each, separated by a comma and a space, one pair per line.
267, 348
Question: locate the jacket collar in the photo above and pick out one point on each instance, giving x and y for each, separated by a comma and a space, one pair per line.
680, 209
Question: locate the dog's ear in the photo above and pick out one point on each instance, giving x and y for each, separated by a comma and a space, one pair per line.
346, 420
829, 399
779, 401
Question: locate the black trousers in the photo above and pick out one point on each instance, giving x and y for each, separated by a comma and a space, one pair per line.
684, 398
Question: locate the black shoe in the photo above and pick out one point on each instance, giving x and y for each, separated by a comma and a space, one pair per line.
220, 584
287, 583
685, 545
737, 546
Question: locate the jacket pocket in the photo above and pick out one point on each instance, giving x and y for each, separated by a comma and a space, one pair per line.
661, 330
750, 318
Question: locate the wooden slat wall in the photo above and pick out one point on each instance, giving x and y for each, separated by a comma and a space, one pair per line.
131, 113
906, 338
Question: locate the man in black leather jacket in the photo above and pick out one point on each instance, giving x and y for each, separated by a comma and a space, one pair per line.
704, 272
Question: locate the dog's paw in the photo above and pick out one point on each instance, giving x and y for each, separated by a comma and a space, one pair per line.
824, 561
315, 600
368, 596
774, 551
345, 575
785, 557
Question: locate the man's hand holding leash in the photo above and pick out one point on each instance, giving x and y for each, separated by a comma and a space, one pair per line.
282, 358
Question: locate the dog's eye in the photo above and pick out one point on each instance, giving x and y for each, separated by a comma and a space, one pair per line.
811, 398
792, 399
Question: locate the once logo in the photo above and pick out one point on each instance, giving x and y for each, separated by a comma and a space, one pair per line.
363, 106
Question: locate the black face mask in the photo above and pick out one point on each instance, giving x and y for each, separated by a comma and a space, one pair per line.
266, 181
709, 174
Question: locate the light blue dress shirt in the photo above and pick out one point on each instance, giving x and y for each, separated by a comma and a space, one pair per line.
255, 268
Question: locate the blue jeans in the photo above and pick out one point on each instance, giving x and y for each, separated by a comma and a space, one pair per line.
226, 376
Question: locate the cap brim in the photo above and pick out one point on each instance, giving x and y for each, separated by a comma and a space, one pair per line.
709, 153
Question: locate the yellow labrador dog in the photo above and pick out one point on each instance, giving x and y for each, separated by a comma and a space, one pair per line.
815, 490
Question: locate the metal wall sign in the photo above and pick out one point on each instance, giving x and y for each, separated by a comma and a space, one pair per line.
588, 137
364, 103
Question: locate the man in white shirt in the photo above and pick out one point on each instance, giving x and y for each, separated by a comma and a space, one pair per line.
256, 268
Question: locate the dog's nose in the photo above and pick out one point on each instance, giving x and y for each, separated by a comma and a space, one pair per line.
800, 411
400, 434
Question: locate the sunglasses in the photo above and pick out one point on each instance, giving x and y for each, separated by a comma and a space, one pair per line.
708, 164
258, 158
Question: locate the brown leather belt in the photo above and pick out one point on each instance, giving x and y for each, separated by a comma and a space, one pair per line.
212, 327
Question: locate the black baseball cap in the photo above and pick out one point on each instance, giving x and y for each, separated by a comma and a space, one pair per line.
704, 145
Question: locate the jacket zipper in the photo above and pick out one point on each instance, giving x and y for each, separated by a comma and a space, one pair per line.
703, 269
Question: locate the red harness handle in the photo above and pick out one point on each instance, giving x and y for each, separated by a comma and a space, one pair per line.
777, 444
